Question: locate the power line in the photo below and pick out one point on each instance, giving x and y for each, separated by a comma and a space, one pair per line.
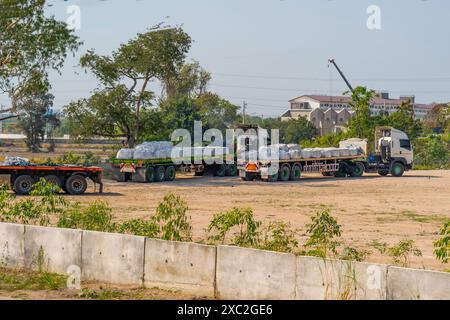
409, 79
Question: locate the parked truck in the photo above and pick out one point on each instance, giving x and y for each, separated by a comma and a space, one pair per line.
71, 178
159, 170
393, 154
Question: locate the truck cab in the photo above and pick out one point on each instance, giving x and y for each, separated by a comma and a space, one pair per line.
393, 152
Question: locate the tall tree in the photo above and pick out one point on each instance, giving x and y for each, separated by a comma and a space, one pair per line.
190, 80
123, 100
30, 44
35, 115
404, 119
361, 124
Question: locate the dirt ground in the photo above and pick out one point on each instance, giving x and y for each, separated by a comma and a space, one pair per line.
370, 208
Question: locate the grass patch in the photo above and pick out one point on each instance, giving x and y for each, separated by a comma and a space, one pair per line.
13, 280
408, 215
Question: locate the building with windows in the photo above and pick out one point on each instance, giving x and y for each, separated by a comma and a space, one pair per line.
331, 113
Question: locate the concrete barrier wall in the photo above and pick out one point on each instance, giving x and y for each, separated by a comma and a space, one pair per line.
53, 249
189, 267
12, 253
321, 279
413, 284
224, 272
254, 274
113, 258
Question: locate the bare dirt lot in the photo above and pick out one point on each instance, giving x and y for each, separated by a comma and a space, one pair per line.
370, 208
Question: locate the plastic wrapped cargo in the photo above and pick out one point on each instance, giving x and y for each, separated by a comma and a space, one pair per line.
16, 161
153, 150
125, 154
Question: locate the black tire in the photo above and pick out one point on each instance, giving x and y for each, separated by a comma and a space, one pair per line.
54, 180
383, 173
327, 174
76, 184
231, 170
357, 170
150, 175
160, 174
284, 173
170, 173
219, 170
296, 172
397, 169
199, 173
249, 176
23, 184
274, 177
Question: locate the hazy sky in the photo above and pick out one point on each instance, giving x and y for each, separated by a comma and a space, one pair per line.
270, 51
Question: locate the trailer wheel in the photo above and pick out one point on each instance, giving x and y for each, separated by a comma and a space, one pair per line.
53, 180
274, 177
249, 176
170, 173
285, 173
23, 184
76, 184
357, 170
398, 169
150, 174
231, 170
219, 170
160, 174
383, 172
296, 172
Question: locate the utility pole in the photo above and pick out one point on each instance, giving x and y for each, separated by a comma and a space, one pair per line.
244, 107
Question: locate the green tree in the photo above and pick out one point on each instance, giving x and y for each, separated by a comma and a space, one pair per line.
189, 80
216, 112
296, 130
35, 116
123, 101
404, 120
30, 44
361, 124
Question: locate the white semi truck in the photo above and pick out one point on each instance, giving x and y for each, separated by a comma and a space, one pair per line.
393, 154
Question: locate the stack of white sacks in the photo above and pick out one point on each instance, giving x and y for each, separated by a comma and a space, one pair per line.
294, 151
165, 150
147, 150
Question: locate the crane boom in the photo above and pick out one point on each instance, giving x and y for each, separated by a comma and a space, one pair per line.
342, 74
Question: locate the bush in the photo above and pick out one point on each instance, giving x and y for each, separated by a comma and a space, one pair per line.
172, 219
140, 227
431, 153
95, 217
401, 252
324, 233
442, 246
279, 236
242, 221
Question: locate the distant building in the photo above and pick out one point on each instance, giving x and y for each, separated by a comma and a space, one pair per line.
330, 113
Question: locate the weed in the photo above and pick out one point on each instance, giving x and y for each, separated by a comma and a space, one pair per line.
353, 254
12, 280
139, 227
400, 253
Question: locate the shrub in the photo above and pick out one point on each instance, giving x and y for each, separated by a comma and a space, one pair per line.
140, 227
95, 217
247, 233
401, 252
442, 246
324, 233
353, 254
172, 219
279, 236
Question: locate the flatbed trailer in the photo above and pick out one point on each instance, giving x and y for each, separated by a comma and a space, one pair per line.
292, 169
159, 170
71, 179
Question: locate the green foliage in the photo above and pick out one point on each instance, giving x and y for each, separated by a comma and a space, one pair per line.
96, 217
400, 253
31, 42
360, 124
140, 227
121, 106
442, 245
87, 159
279, 236
432, 153
32, 211
328, 140
171, 217
13, 280
239, 221
353, 254
324, 233
296, 130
